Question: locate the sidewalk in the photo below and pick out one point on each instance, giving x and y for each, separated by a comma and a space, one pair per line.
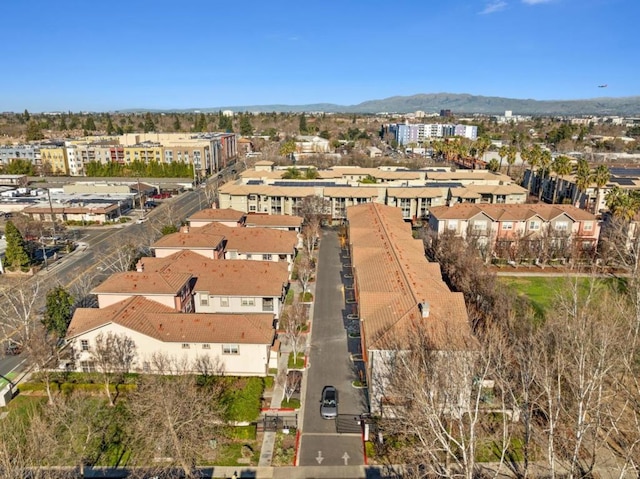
269, 438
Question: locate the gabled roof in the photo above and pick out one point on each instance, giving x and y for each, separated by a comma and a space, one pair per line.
252, 240
215, 214
515, 212
146, 283
194, 239
273, 221
394, 276
425, 192
224, 277
163, 324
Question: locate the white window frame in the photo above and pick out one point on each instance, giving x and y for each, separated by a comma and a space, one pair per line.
204, 299
224, 302
507, 225
206, 346
186, 346
247, 302
479, 226
84, 345
230, 349
588, 226
534, 225
267, 257
561, 226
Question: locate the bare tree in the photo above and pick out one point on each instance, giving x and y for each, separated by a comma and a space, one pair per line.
439, 402
305, 269
19, 311
113, 355
173, 419
290, 383
294, 320
43, 353
310, 235
122, 259
208, 367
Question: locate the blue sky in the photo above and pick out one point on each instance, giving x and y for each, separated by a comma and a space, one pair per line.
92, 55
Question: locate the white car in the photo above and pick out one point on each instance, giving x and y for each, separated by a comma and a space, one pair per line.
141, 220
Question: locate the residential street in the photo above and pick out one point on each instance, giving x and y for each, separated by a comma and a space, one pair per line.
330, 364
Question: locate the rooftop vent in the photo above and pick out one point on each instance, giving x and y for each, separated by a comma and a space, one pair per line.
424, 308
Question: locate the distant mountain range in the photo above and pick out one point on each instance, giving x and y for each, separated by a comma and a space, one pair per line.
457, 103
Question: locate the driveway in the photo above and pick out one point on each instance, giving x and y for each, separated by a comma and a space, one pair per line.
330, 364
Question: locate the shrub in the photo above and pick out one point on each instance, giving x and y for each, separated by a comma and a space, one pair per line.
306, 297
289, 297
268, 381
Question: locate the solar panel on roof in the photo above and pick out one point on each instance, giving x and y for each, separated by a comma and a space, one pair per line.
622, 181
254, 182
625, 172
442, 185
307, 183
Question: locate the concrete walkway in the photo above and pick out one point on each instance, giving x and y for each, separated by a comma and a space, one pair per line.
269, 438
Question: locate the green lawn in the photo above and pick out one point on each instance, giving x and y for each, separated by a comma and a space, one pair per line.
297, 363
3, 382
542, 291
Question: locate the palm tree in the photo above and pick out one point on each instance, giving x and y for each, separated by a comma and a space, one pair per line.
561, 167
545, 163
511, 158
600, 177
291, 173
493, 165
583, 178
502, 152
622, 204
482, 145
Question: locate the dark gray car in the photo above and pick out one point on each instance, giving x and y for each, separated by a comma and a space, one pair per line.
329, 403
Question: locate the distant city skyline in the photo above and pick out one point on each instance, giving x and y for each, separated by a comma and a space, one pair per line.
83, 56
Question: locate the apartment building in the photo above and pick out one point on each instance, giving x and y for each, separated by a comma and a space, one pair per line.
406, 133
30, 153
399, 293
54, 159
533, 233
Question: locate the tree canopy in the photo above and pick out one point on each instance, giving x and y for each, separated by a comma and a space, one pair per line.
16, 256
58, 311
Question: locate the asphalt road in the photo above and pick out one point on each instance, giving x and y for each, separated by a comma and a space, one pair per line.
330, 364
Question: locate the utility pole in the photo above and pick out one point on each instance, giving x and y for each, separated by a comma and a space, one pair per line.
140, 198
53, 218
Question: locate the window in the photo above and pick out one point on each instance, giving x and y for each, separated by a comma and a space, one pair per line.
252, 207
479, 226
248, 301
249, 256
588, 226
206, 346
88, 366
186, 346
224, 302
84, 344
204, 299
230, 349
561, 225
267, 304
266, 257
452, 225
252, 198
534, 225
507, 225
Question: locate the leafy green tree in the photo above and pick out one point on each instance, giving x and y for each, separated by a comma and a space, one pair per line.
600, 177
225, 123
561, 166
246, 128
493, 165
63, 124
304, 129
511, 158
311, 174
176, 123
288, 148
90, 124
169, 229
368, 180
545, 163
74, 122
16, 256
502, 152
33, 131
26, 116
148, 125
58, 311
292, 173
110, 128
19, 166
325, 134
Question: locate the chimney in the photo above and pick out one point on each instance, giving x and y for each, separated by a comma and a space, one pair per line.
424, 308
140, 266
185, 229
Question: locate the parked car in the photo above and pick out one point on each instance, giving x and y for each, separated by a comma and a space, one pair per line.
142, 220
12, 349
329, 403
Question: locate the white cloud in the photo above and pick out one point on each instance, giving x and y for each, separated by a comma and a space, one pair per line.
493, 7
535, 2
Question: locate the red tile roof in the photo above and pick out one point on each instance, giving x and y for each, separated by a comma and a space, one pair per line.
147, 283
273, 221
252, 240
162, 323
394, 276
224, 277
215, 214
517, 212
